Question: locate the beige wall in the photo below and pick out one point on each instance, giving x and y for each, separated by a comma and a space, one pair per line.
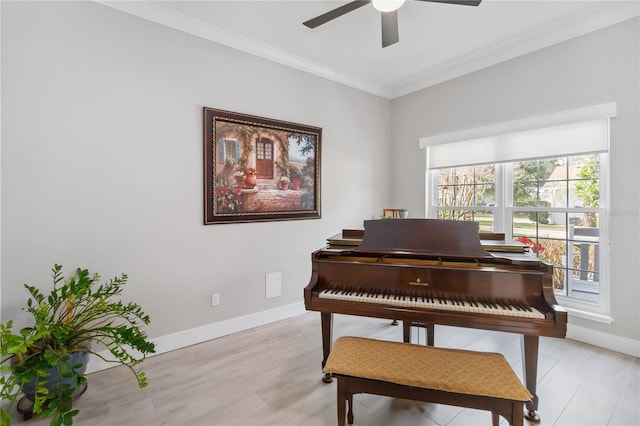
102, 156
102, 162
592, 69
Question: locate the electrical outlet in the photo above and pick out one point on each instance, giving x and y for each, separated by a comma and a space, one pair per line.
273, 285
215, 299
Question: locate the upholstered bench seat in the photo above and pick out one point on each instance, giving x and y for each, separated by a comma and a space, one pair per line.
448, 376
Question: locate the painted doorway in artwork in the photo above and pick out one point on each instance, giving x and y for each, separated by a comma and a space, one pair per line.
264, 158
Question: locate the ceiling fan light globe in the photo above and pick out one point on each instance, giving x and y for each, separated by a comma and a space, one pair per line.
387, 5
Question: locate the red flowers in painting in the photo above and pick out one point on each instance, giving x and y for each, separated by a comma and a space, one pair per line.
535, 247
228, 198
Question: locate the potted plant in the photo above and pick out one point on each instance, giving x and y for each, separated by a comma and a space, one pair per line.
239, 175
284, 182
251, 179
403, 213
47, 360
296, 184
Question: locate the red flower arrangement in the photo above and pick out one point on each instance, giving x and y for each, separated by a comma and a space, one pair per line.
228, 198
250, 171
535, 247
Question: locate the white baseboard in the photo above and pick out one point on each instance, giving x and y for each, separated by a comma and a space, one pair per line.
193, 336
604, 340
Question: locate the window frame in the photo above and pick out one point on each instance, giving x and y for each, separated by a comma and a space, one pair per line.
503, 212
224, 152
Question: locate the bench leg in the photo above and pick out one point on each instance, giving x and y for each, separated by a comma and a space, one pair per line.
516, 417
518, 414
342, 400
344, 397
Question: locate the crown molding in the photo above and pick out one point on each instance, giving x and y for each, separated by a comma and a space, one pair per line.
177, 21
527, 42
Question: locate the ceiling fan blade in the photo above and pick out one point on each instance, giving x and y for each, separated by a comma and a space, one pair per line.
460, 2
390, 28
335, 13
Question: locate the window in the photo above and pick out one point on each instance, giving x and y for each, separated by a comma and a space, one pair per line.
556, 204
467, 193
228, 149
552, 206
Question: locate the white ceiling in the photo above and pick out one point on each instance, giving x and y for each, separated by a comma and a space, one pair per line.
437, 41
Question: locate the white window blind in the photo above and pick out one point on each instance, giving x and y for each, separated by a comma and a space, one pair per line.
581, 131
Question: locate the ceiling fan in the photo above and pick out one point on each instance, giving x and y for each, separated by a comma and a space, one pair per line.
388, 9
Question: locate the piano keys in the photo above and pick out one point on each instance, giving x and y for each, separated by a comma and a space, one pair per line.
427, 271
512, 308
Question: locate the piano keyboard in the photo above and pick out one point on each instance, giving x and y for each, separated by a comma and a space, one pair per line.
484, 306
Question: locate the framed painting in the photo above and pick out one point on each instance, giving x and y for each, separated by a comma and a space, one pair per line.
259, 169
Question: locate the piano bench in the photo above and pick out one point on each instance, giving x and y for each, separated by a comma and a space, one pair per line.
479, 380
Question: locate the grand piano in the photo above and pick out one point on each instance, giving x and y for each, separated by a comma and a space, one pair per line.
428, 271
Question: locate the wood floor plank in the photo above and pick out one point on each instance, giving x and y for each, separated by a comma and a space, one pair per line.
271, 375
627, 409
592, 403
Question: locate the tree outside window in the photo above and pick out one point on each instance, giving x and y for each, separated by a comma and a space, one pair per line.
554, 209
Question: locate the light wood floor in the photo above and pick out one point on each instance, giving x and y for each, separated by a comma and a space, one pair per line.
271, 376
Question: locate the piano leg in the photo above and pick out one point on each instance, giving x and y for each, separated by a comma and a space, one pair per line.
429, 330
530, 366
326, 319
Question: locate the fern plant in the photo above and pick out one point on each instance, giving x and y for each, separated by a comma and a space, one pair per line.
79, 315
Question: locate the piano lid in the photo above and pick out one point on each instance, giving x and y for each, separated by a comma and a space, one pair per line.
422, 237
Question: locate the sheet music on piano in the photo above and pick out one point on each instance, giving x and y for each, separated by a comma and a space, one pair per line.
429, 271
